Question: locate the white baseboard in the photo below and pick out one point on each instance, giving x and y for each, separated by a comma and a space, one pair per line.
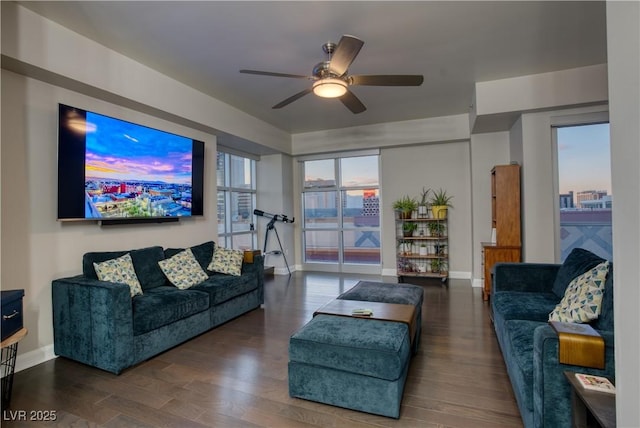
459, 274
478, 283
35, 357
283, 270
389, 272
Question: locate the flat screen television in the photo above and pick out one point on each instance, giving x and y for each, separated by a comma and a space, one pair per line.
115, 171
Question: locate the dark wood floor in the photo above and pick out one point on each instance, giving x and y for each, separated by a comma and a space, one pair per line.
236, 374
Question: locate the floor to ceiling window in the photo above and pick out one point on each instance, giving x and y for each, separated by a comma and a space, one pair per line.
584, 187
341, 206
236, 187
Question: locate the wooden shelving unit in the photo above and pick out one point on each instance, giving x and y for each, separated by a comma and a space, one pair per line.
425, 252
505, 219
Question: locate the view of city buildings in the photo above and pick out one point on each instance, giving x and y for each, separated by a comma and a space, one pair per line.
585, 210
113, 198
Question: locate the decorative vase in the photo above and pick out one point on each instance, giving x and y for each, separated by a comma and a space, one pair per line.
422, 211
423, 251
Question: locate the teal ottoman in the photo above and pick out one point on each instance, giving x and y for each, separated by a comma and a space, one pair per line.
404, 294
355, 363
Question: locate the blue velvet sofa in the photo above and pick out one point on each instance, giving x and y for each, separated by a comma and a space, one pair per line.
522, 296
98, 323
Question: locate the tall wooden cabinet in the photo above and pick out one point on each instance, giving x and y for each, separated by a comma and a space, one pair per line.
505, 219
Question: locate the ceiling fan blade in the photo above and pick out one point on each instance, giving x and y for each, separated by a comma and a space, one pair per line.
387, 80
352, 102
292, 98
269, 73
344, 54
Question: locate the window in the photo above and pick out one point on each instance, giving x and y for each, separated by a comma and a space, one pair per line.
236, 186
341, 206
584, 189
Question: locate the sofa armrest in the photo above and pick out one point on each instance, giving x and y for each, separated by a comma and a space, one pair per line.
93, 322
551, 390
256, 268
532, 277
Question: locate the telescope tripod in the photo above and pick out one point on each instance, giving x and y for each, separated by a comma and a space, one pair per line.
271, 226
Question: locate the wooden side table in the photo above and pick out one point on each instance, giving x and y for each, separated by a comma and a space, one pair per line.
590, 408
8, 363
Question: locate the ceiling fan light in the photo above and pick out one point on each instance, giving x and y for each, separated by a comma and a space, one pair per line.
330, 87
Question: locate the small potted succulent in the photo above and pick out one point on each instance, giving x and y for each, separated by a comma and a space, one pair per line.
423, 205
408, 228
405, 206
440, 201
423, 250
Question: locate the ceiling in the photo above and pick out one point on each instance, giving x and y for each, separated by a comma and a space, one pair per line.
453, 44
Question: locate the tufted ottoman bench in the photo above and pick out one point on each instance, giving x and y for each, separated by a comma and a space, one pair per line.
406, 294
356, 363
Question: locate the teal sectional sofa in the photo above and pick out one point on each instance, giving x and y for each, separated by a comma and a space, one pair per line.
98, 323
522, 296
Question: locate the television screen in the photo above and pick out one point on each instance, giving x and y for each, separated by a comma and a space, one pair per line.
111, 169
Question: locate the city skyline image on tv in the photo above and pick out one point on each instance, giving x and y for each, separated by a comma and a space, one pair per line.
134, 171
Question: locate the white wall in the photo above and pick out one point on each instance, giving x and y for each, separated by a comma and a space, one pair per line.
405, 171
623, 51
35, 247
275, 196
487, 150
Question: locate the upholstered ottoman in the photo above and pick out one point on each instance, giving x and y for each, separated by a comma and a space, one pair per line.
406, 294
355, 363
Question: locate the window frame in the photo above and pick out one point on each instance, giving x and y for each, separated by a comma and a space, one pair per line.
340, 228
225, 192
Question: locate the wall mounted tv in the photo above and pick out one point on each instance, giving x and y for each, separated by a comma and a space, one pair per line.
119, 172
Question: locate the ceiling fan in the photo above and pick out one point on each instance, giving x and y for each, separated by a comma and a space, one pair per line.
330, 78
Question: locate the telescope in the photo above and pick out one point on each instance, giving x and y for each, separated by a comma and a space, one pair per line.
271, 226
275, 217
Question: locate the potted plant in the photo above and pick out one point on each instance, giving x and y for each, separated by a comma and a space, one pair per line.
440, 201
423, 205
405, 206
436, 228
435, 265
405, 246
423, 250
408, 228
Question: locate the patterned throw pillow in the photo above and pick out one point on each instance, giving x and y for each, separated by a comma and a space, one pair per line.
227, 261
183, 270
119, 270
583, 297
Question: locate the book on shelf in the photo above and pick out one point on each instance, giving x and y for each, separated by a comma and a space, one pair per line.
595, 383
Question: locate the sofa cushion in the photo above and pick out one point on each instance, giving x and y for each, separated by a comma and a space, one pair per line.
518, 355
577, 262
221, 288
183, 270
145, 262
119, 270
226, 260
524, 305
202, 252
583, 297
164, 305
